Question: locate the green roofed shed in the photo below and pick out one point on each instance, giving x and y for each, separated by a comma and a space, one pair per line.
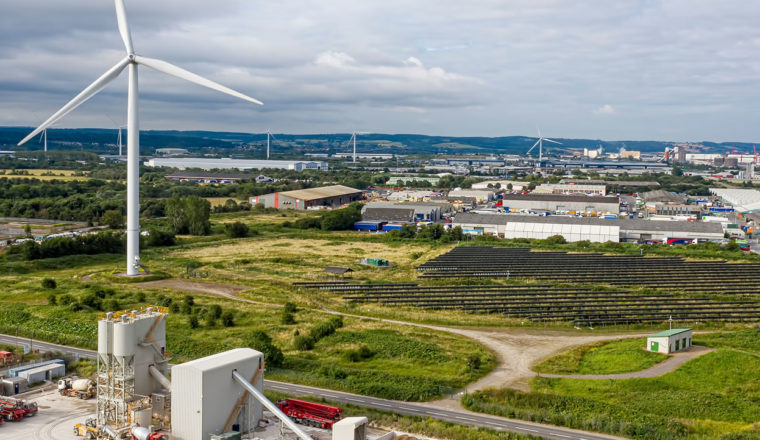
671, 332
670, 341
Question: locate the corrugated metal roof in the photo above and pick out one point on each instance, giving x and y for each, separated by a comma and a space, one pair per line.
394, 214
671, 332
44, 368
321, 193
221, 359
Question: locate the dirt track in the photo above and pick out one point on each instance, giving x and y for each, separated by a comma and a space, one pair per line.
516, 349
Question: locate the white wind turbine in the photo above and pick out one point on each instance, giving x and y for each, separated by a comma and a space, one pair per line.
133, 133
269, 134
353, 139
540, 143
118, 127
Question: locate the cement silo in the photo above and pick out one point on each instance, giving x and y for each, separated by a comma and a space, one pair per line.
129, 344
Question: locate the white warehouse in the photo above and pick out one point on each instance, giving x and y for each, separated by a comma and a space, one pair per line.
237, 164
584, 228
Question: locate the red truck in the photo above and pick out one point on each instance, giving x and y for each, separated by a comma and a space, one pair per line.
310, 413
16, 409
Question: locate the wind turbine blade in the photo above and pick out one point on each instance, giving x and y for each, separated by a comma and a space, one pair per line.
121, 19
534, 146
81, 98
170, 69
554, 142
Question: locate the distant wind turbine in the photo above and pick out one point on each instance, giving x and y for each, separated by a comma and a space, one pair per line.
540, 143
118, 127
269, 134
353, 139
133, 134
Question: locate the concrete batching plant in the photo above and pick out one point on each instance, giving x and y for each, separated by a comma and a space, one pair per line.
131, 370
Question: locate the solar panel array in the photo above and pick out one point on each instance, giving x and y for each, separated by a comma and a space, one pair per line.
667, 273
583, 288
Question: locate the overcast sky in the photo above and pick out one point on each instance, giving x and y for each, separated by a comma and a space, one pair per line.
681, 70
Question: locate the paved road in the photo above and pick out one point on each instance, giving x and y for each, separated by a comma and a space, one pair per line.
670, 364
458, 416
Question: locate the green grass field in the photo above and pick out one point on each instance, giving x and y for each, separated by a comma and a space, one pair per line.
714, 396
620, 356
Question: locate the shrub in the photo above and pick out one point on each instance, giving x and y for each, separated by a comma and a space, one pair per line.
556, 239
236, 230
160, 237
228, 319
259, 340
215, 311
290, 307
188, 300
49, 283
307, 223
474, 362
111, 304
287, 318
92, 301
113, 218
66, 299
303, 342
341, 219
52, 299
193, 321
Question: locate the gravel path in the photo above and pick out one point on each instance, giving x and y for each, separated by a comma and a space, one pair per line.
670, 364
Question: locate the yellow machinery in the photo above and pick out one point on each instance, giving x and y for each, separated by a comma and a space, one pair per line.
86, 429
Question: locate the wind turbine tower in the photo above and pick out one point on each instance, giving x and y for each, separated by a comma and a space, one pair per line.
540, 143
353, 136
132, 61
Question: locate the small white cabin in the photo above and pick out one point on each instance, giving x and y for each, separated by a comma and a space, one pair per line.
670, 341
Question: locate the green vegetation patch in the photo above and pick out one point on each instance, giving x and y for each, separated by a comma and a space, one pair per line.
714, 396
620, 356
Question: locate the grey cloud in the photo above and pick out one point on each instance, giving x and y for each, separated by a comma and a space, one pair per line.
675, 69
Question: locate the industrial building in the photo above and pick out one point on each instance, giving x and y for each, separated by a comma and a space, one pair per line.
17, 371
584, 228
43, 373
503, 184
480, 195
216, 178
560, 203
743, 200
404, 180
204, 394
670, 341
325, 197
411, 196
571, 188
236, 164
399, 212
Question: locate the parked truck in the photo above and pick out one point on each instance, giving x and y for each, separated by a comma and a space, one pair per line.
10, 411
13, 408
72, 387
310, 413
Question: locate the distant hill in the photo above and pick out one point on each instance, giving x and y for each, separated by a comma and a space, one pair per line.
104, 141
